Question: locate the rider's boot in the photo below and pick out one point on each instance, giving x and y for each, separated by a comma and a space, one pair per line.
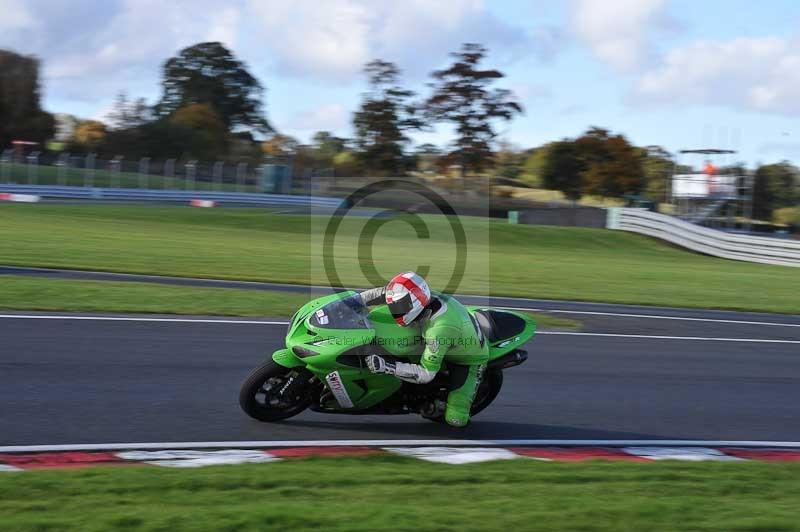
464, 381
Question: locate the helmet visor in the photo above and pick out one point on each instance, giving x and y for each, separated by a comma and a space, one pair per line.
400, 307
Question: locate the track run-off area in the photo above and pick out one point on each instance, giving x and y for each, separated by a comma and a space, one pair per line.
630, 373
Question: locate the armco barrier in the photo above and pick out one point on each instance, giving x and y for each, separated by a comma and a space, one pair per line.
182, 196
703, 240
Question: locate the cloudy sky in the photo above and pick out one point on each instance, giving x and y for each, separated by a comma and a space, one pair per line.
677, 73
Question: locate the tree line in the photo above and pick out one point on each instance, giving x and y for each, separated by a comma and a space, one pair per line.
212, 108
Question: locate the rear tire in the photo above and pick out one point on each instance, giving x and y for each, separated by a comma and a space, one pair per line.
263, 396
487, 391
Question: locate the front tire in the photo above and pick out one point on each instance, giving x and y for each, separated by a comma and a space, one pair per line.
272, 392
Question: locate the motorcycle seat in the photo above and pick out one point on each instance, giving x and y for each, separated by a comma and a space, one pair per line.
497, 325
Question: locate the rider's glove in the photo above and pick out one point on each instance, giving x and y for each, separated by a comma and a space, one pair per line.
377, 364
413, 373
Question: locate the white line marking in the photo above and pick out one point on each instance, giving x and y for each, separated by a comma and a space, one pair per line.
659, 337
651, 316
394, 443
257, 322
145, 319
294, 287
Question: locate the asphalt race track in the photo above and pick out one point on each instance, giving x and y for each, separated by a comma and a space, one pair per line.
643, 375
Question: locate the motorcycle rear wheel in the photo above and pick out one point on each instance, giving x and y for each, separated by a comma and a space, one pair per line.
487, 392
272, 392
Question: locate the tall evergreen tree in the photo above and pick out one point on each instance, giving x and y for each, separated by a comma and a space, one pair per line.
462, 96
208, 73
382, 120
775, 186
21, 114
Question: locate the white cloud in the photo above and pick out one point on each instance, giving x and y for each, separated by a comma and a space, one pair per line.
419, 34
225, 27
548, 41
332, 40
756, 73
15, 15
92, 50
620, 32
88, 46
325, 117
167, 27
317, 39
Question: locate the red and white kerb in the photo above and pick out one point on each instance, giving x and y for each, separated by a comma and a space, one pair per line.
408, 284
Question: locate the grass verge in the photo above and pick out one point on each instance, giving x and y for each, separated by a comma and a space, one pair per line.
502, 259
26, 293
394, 493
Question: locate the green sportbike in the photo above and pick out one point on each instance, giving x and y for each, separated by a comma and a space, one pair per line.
323, 366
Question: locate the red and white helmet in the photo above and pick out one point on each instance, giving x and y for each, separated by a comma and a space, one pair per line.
407, 294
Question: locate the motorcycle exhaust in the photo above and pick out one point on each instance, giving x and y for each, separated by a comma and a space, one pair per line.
514, 358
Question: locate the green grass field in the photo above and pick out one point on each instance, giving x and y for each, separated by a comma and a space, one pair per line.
399, 494
25, 293
502, 259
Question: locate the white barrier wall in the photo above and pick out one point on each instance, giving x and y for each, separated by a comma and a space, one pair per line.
765, 250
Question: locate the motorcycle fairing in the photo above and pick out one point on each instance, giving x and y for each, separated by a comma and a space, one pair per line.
332, 334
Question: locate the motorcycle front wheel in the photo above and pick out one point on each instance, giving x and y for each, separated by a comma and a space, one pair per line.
272, 392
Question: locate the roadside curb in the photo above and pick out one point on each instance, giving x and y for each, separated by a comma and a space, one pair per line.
446, 452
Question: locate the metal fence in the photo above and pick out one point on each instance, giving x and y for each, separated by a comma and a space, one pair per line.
64, 169
765, 250
273, 175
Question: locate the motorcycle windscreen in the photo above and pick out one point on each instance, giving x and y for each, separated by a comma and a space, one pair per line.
347, 313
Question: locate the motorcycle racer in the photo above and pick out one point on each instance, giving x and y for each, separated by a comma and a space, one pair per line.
449, 331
